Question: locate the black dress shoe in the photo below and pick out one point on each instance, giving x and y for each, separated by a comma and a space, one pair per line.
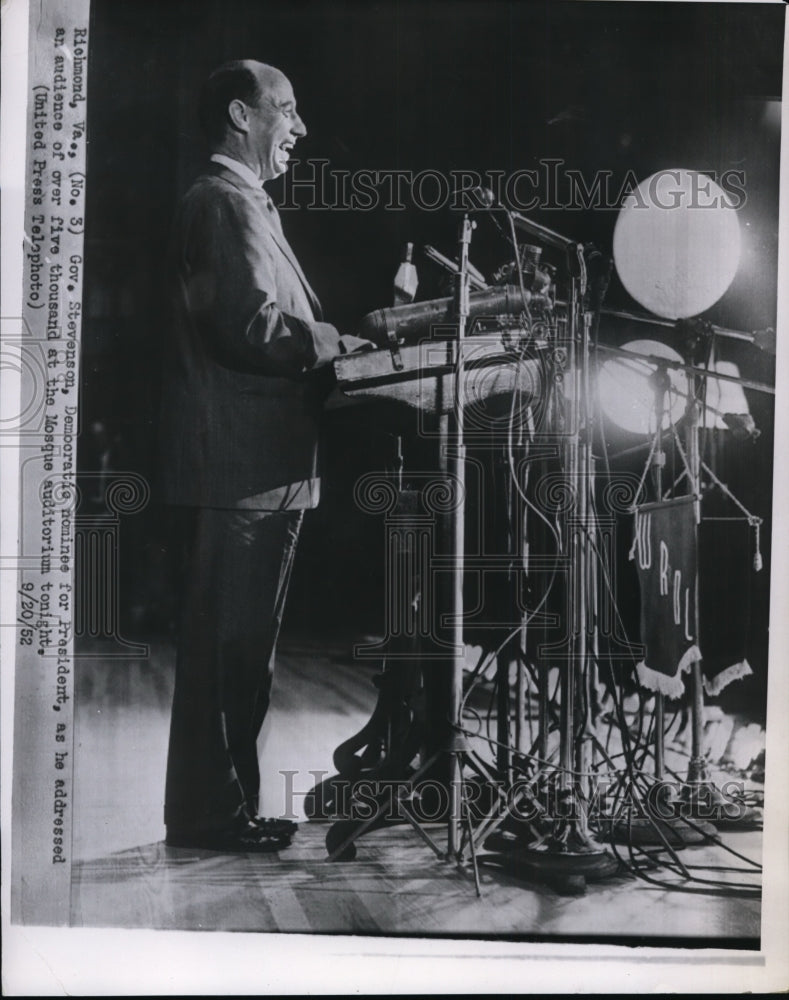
276, 827
249, 839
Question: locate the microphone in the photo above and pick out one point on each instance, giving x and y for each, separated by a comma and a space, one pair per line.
543, 233
758, 562
598, 271
481, 199
765, 340
409, 323
742, 426
473, 199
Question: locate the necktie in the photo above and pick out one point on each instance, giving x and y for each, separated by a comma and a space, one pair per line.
271, 208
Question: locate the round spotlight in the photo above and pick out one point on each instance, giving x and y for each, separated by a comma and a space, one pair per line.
627, 395
677, 243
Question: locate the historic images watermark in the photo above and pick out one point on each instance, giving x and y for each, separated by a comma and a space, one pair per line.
603, 799
552, 185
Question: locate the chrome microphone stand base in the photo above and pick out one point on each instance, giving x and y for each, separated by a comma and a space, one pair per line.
567, 860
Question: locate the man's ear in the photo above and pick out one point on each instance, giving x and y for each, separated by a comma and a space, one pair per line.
238, 113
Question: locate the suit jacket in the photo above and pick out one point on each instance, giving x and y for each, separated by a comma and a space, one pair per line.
239, 417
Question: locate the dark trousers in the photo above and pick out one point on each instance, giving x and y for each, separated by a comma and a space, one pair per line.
237, 567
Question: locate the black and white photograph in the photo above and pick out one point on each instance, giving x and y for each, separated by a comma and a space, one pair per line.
392, 442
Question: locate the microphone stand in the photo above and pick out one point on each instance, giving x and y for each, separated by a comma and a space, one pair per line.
456, 456
690, 369
569, 855
763, 339
452, 461
576, 851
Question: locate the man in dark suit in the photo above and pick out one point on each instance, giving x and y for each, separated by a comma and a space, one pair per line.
240, 430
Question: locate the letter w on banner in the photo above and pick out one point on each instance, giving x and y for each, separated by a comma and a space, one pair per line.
664, 548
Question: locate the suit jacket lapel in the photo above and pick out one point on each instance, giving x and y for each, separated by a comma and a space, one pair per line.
285, 247
220, 170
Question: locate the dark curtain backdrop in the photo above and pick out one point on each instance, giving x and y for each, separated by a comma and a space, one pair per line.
434, 85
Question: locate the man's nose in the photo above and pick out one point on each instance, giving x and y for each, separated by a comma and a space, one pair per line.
298, 127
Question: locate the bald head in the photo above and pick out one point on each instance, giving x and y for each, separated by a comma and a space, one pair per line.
268, 77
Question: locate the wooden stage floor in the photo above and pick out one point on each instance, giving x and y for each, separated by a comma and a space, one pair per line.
124, 875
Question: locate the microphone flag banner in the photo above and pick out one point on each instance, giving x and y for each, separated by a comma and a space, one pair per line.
665, 551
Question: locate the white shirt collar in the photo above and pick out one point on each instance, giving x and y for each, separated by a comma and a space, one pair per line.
239, 168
